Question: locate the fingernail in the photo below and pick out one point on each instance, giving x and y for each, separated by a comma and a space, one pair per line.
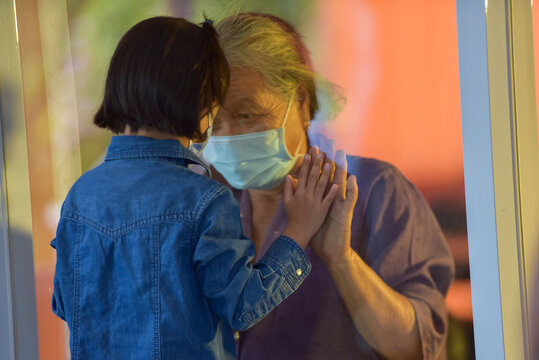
327, 167
307, 157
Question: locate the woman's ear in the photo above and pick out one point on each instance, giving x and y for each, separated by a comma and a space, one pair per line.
304, 107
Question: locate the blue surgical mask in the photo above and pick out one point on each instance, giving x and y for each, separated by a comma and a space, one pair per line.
257, 160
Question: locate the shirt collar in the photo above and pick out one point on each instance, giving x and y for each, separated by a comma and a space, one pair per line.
138, 147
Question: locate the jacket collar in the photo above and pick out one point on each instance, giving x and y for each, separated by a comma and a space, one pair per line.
138, 147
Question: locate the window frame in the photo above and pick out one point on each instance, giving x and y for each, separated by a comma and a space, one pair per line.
501, 157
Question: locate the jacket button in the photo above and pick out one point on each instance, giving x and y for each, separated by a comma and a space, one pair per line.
236, 336
298, 272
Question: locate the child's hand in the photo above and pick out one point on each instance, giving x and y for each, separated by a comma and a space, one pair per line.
306, 207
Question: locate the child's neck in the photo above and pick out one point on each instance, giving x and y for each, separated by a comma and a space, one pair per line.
157, 135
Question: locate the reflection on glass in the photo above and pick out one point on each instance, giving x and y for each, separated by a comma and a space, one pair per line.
53, 146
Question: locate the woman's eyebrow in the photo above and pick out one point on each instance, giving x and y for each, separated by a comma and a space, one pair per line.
244, 103
248, 101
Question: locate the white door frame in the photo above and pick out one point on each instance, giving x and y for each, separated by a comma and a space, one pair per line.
501, 161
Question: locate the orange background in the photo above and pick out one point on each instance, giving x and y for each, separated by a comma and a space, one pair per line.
398, 63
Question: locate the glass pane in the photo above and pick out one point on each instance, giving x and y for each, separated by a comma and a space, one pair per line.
397, 66
398, 63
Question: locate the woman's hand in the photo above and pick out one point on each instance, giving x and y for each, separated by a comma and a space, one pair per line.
332, 242
305, 201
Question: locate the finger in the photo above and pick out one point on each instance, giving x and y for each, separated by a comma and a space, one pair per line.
313, 151
341, 168
315, 173
331, 195
331, 174
304, 172
351, 193
288, 188
322, 182
331, 155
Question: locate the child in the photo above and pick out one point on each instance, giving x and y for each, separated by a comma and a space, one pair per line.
151, 260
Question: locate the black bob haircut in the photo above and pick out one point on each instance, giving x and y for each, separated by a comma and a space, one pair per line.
163, 74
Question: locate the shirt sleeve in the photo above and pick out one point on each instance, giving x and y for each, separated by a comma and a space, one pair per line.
407, 248
238, 291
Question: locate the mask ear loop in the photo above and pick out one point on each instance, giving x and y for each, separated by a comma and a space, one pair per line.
284, 121
208, 134
287, 110
299, 145
210, 125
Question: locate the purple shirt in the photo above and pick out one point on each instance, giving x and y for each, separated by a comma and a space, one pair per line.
396, 234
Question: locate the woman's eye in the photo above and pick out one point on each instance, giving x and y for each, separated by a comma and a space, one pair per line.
246, 115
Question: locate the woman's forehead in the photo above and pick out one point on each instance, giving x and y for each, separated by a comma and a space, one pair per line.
247, 88
244, 83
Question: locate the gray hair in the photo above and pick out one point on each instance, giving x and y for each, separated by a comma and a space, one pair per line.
272, 47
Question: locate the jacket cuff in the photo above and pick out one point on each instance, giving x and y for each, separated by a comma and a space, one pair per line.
289, 258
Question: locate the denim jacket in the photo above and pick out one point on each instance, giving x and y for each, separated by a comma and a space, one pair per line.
152, 262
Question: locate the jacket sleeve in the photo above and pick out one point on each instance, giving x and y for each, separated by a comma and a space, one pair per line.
63, 273
407, 248
57, 301
239, 292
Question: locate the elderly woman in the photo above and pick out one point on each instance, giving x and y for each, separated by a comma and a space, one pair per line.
379, 274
